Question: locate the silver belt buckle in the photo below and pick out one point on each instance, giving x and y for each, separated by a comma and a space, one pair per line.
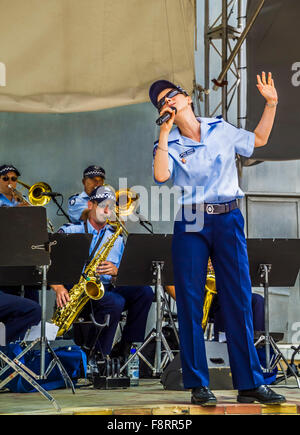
210, 209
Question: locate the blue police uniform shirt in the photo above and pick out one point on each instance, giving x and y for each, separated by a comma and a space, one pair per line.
5, 202
209, 163
115, 253
76, 204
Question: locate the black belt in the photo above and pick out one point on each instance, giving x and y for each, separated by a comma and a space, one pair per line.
216, 208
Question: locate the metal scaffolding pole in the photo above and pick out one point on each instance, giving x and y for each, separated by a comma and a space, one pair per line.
219, 37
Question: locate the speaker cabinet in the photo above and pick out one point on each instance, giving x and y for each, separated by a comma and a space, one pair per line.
218, 366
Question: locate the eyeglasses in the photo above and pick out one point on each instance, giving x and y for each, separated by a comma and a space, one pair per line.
6, 178
170, 94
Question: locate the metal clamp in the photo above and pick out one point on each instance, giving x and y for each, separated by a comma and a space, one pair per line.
42, 247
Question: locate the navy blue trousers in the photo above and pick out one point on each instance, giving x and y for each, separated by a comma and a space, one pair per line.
30, 292
136, 300
18, 314
258, 311
222, 238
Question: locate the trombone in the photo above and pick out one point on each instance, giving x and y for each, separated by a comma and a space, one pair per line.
37, 195
36, 192
126, 204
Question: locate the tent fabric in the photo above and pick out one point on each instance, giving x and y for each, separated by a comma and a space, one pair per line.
272, 46
81, 55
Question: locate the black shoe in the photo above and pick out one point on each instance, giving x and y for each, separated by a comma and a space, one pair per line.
203, 396
262, 394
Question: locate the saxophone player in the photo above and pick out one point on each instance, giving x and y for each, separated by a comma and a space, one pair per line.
136, 300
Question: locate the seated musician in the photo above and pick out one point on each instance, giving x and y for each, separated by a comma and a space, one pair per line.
9, 175
18, 315
136, 300
93, 176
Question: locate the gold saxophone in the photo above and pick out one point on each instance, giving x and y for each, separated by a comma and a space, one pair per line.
210, 292
88, 287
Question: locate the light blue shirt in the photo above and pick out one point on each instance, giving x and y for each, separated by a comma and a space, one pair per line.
76, 204
208, 166
5, 202
116, 252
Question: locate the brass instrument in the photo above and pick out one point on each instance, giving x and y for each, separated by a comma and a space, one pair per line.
88, 287
126, 204
210, 292
18, 196
126, 201
35, 196
36, 191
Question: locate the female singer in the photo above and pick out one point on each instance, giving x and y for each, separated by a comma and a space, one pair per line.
201, 152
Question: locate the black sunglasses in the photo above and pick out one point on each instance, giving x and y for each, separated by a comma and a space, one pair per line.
170, 94
6, 178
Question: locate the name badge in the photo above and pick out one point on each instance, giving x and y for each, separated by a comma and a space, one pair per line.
185, 154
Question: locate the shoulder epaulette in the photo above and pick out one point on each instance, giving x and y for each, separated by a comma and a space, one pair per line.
72, 199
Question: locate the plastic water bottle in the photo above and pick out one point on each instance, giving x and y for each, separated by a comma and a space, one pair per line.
134, 368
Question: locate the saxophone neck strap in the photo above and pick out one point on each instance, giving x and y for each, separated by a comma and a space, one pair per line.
91, 256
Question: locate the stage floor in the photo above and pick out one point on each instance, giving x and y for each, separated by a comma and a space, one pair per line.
149, 398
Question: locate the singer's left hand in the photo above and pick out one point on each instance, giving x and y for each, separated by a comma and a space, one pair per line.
266, 87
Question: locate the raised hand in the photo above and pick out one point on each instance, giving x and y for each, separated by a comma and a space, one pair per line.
266, 87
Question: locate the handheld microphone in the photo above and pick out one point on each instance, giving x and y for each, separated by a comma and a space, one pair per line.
165, 117
51, 194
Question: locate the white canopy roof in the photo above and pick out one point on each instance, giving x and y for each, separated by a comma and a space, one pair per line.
79, 55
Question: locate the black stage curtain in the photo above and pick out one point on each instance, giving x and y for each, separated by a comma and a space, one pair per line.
273, 45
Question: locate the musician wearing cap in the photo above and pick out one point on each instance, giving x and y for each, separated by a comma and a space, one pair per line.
93, 176
8, 178
136, 300
201, 152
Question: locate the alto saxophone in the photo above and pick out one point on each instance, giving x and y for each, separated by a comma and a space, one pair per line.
88, 287
210, 292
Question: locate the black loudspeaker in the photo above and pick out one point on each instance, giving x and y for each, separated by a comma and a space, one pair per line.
218, 365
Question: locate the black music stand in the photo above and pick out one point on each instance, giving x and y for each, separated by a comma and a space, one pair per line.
147, 260
25, 233
273, 263
33, 246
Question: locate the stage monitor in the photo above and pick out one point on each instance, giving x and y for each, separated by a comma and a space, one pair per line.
273, 45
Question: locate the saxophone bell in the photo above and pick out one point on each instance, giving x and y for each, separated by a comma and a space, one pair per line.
94, 288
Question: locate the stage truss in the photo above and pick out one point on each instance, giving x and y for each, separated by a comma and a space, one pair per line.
226, 27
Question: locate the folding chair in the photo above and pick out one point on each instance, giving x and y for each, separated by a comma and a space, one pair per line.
20, 369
